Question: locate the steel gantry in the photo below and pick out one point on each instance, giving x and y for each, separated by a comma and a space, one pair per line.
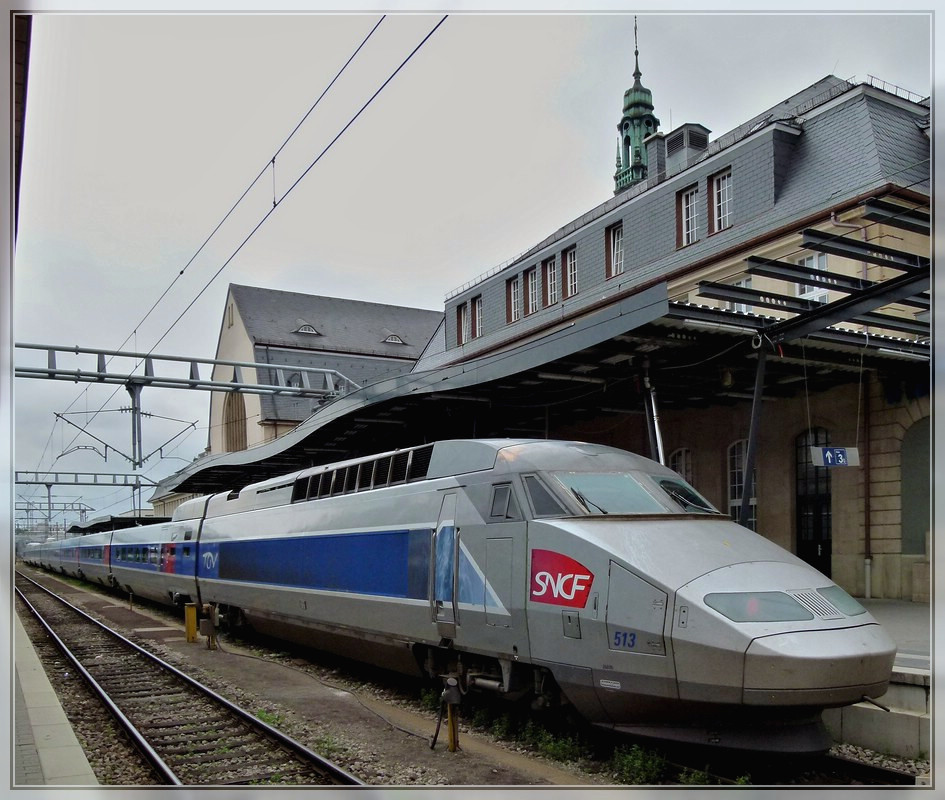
325, 384
331, 382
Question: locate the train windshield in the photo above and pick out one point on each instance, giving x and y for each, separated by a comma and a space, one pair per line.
685, 496
609, 493
627, 493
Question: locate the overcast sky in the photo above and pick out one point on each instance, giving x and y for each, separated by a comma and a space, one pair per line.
142, 131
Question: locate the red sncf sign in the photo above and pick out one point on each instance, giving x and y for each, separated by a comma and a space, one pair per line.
559, 580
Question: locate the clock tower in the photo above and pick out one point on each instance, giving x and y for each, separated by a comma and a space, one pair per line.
637, 122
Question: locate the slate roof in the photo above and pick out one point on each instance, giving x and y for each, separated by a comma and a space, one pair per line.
273, 317
903, 155
351, 339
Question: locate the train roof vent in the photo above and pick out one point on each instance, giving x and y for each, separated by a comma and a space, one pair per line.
815, 603
300, 489
398, 470
420, 463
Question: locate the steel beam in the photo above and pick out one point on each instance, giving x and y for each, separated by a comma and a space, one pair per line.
26, 505
81, 479
907, 219
336, 384
882, 294
795, 273
798, 305
863, 251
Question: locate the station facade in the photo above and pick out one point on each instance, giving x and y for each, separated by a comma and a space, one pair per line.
813, 162
738, 309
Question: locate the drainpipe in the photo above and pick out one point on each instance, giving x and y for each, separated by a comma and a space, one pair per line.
852, 226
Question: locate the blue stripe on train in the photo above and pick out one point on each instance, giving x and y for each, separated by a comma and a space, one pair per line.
388, 563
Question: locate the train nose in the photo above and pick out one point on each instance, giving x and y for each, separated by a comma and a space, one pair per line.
818, 667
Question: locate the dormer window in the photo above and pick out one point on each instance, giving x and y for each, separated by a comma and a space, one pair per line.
394, 339
307, 329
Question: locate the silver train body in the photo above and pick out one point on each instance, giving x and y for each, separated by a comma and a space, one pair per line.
570, 572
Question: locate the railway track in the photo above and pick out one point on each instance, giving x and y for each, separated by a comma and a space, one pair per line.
190, 735
812, 770
705, 766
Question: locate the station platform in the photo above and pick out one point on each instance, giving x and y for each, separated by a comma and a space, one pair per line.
46, 751
45, 748
910, 626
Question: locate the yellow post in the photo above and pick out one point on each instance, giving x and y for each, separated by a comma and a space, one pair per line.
190, 621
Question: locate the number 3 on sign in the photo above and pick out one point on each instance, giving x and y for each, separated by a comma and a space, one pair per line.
625, 640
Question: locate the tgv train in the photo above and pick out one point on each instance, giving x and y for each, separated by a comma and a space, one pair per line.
568, 572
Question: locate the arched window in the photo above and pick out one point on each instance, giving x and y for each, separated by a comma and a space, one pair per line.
681, 461
234, 422
813, 502
737, 453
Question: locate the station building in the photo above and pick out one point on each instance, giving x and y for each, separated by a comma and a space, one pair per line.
349, 342
744, 309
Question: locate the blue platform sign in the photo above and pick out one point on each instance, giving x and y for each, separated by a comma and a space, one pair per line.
835, 456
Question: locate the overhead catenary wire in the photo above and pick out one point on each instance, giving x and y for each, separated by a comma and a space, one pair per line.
269, 164
298, 180
235, 205
255, 180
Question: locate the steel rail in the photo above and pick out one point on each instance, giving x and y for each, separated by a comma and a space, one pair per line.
338, 774
163, 770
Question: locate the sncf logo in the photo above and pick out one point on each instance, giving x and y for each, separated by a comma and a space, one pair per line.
559, 580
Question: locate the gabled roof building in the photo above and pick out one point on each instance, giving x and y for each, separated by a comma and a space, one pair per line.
354, 342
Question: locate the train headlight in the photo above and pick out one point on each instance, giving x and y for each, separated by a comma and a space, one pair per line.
757, 606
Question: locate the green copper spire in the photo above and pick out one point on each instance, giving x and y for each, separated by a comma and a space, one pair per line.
637, 122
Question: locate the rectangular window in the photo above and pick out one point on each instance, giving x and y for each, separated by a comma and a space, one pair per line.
513, 299
550, 282
615, 250
476, 317
687, 216
531, 291
569, 258
721, 211
742, 308
462, 323
814, 264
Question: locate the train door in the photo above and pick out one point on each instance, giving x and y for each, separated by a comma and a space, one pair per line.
444, 555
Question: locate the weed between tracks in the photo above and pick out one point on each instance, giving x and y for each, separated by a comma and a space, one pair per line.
275, 720
560, 739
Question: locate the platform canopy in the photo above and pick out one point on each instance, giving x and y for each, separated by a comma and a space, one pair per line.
600, 365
